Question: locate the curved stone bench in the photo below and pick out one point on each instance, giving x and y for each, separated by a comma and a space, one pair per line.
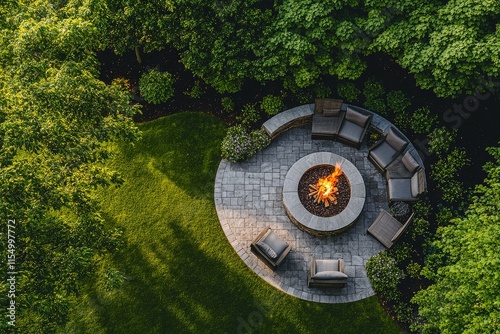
288, 119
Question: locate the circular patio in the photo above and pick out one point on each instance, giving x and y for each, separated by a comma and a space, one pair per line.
248, 198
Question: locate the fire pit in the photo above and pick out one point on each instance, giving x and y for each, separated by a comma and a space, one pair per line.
323, 194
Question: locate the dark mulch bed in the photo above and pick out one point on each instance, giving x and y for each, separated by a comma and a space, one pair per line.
311, 177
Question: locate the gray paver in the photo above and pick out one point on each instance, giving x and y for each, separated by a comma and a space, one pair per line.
243, 217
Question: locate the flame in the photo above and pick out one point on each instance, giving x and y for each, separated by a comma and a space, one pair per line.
325, 190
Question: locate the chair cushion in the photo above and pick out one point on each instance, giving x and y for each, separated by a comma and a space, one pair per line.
400, 189
415, 191
322, 125
267, 250
395, 140
356, 117
351, 131
409, 161
275, 242
327, 112
327, 265
333, 274
383, 154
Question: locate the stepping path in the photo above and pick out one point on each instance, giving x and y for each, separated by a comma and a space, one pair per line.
248, 198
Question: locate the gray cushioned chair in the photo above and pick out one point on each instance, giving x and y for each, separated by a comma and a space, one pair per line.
407, 189
387, 149
388, 229
326, 118
327, 273
270, 248
353, 126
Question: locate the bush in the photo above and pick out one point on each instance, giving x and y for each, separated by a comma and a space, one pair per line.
445, 170
322, 91
384, 275
397, 101
373, 89
376, 105
196, 91
348, 91
239, 144
227, 104
271, 104
419, 227
440, 140
249, 115
413, 269
156, 87
422, 122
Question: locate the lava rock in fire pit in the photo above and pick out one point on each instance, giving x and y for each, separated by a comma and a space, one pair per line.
311, 177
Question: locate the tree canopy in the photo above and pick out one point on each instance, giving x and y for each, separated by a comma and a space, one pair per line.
465, 297
57, 122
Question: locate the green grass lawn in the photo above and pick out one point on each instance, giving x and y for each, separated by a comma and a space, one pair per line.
182, 275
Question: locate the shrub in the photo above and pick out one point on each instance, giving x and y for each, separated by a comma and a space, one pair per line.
440, 140
322, 91
419, 227
444, 215
249, 115
422, 122
348, 91
196, 91
397, 101
156, 87
401, 251
271, 104
413, 269
444, 172
227, 104
373, 89
384, 275
239, 144
376, 105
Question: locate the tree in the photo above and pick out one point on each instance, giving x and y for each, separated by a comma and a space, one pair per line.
57, 125
465, 296
449, 46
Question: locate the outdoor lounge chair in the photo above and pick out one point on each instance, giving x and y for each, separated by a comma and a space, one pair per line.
387, 149
353, 126
388, 229
270, 248
326, 118
326, 273
406, 189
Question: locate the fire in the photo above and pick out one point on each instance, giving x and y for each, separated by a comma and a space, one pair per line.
325, 191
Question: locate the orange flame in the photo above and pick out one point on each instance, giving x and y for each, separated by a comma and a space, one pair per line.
325, 190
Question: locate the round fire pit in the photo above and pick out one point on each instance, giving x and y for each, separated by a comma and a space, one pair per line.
313, 217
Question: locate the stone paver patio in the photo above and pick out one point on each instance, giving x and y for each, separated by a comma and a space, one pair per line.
248, 197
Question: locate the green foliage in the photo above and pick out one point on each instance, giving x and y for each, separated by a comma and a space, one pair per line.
239, 144
401, 252
373, 89
385, 275
397, 101
413, 269
377, 105
249, 115
444, 172
196, 91
444, 215
422, 122
464, 296
348, 91
271, 104
322, 91
419, 227
227, 104
156, 87
441, 139
422, 208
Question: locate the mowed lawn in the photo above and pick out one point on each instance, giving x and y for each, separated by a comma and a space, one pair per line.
182, 275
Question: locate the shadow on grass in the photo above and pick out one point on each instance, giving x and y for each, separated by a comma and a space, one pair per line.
184, 147
196, 293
